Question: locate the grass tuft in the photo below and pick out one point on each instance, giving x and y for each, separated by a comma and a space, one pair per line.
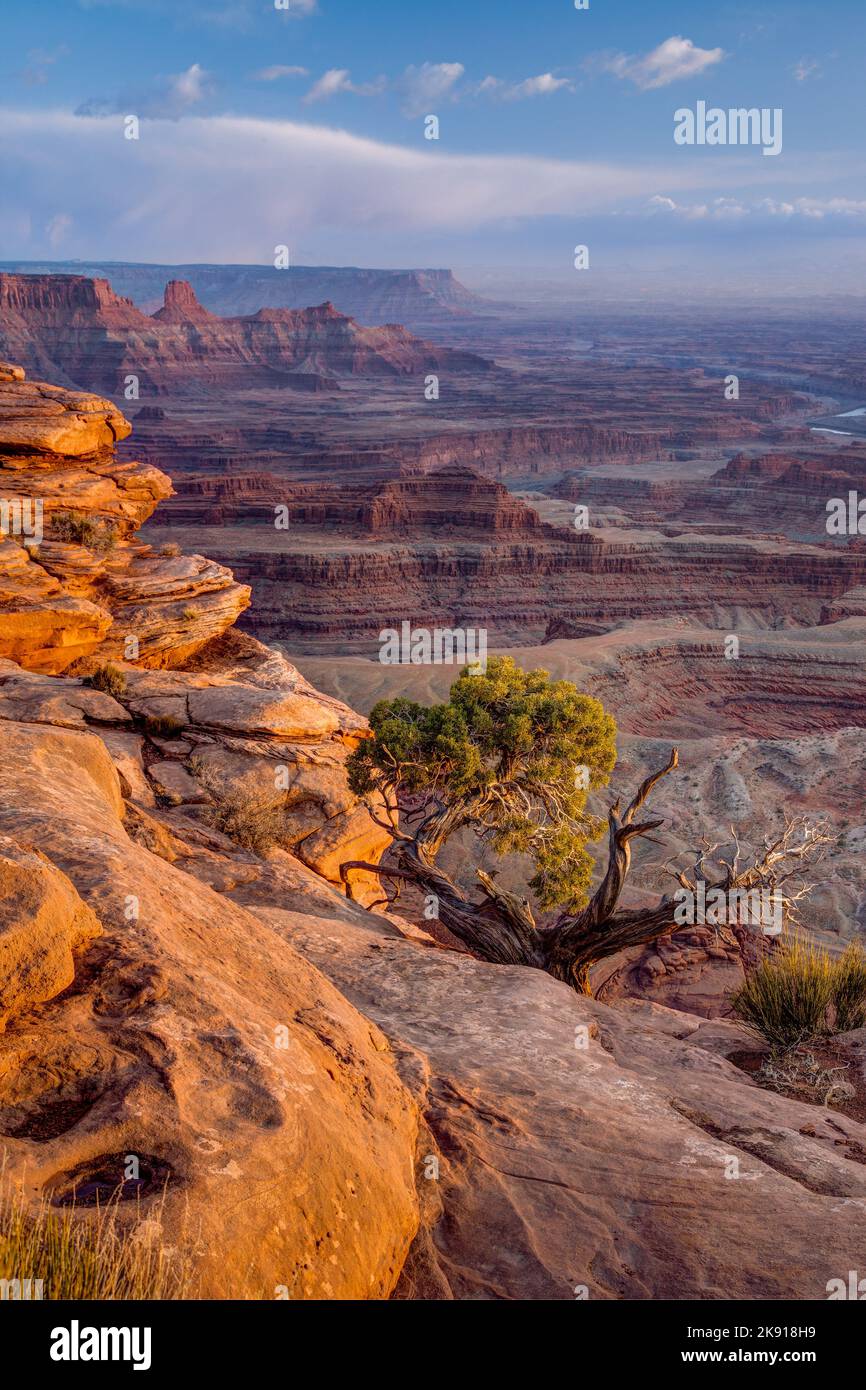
110, 679
89, 1257
255, 822
163, 726
801, 992
78, 529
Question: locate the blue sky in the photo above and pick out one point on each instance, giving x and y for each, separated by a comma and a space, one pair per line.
556, 126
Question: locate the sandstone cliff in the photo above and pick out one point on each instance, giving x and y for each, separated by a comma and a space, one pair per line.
74, 581
179, 1030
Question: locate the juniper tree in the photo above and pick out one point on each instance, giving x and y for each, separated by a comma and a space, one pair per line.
512, 757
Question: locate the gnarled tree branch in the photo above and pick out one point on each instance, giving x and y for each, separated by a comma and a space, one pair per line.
501, 927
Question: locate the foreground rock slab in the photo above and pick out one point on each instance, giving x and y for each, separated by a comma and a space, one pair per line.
264, 1109
586, 1152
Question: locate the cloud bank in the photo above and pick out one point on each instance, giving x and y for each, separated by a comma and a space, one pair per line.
231, 188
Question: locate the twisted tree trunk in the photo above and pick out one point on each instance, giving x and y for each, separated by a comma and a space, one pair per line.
502, 929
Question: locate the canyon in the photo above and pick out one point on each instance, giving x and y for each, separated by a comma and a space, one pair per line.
331, 1096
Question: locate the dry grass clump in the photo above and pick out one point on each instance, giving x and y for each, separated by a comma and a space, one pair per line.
97, 1257
109, 679
78, 529
163, 726
805, 1076
800, 992
253, 820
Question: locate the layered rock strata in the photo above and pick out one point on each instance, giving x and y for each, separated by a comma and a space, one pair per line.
82, 330
75, 581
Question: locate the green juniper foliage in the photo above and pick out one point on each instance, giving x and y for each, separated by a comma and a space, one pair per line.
506, 754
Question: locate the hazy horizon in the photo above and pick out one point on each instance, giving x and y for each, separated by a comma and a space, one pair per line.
258, 127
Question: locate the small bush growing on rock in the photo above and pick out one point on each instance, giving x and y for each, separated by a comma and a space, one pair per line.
110, 679
94, 1259
250, 821
163, 726
77, 529
189, 614
801, 992
170, 549
253, 821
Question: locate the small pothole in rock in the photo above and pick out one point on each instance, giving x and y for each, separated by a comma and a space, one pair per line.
106, 1178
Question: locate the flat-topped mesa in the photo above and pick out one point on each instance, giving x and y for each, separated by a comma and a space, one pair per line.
67, 300
451, 499
79, 330
370, 296
74, 580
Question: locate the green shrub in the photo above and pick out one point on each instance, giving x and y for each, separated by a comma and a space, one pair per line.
109, 679
801, 992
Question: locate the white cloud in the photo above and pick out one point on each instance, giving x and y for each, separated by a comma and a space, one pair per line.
168, 99
273, 74
806, 68
728, 209
57, 229
337, 80
427, 84
249, 184
542, 85
674, 59
329, 84
231, 188
188, 88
